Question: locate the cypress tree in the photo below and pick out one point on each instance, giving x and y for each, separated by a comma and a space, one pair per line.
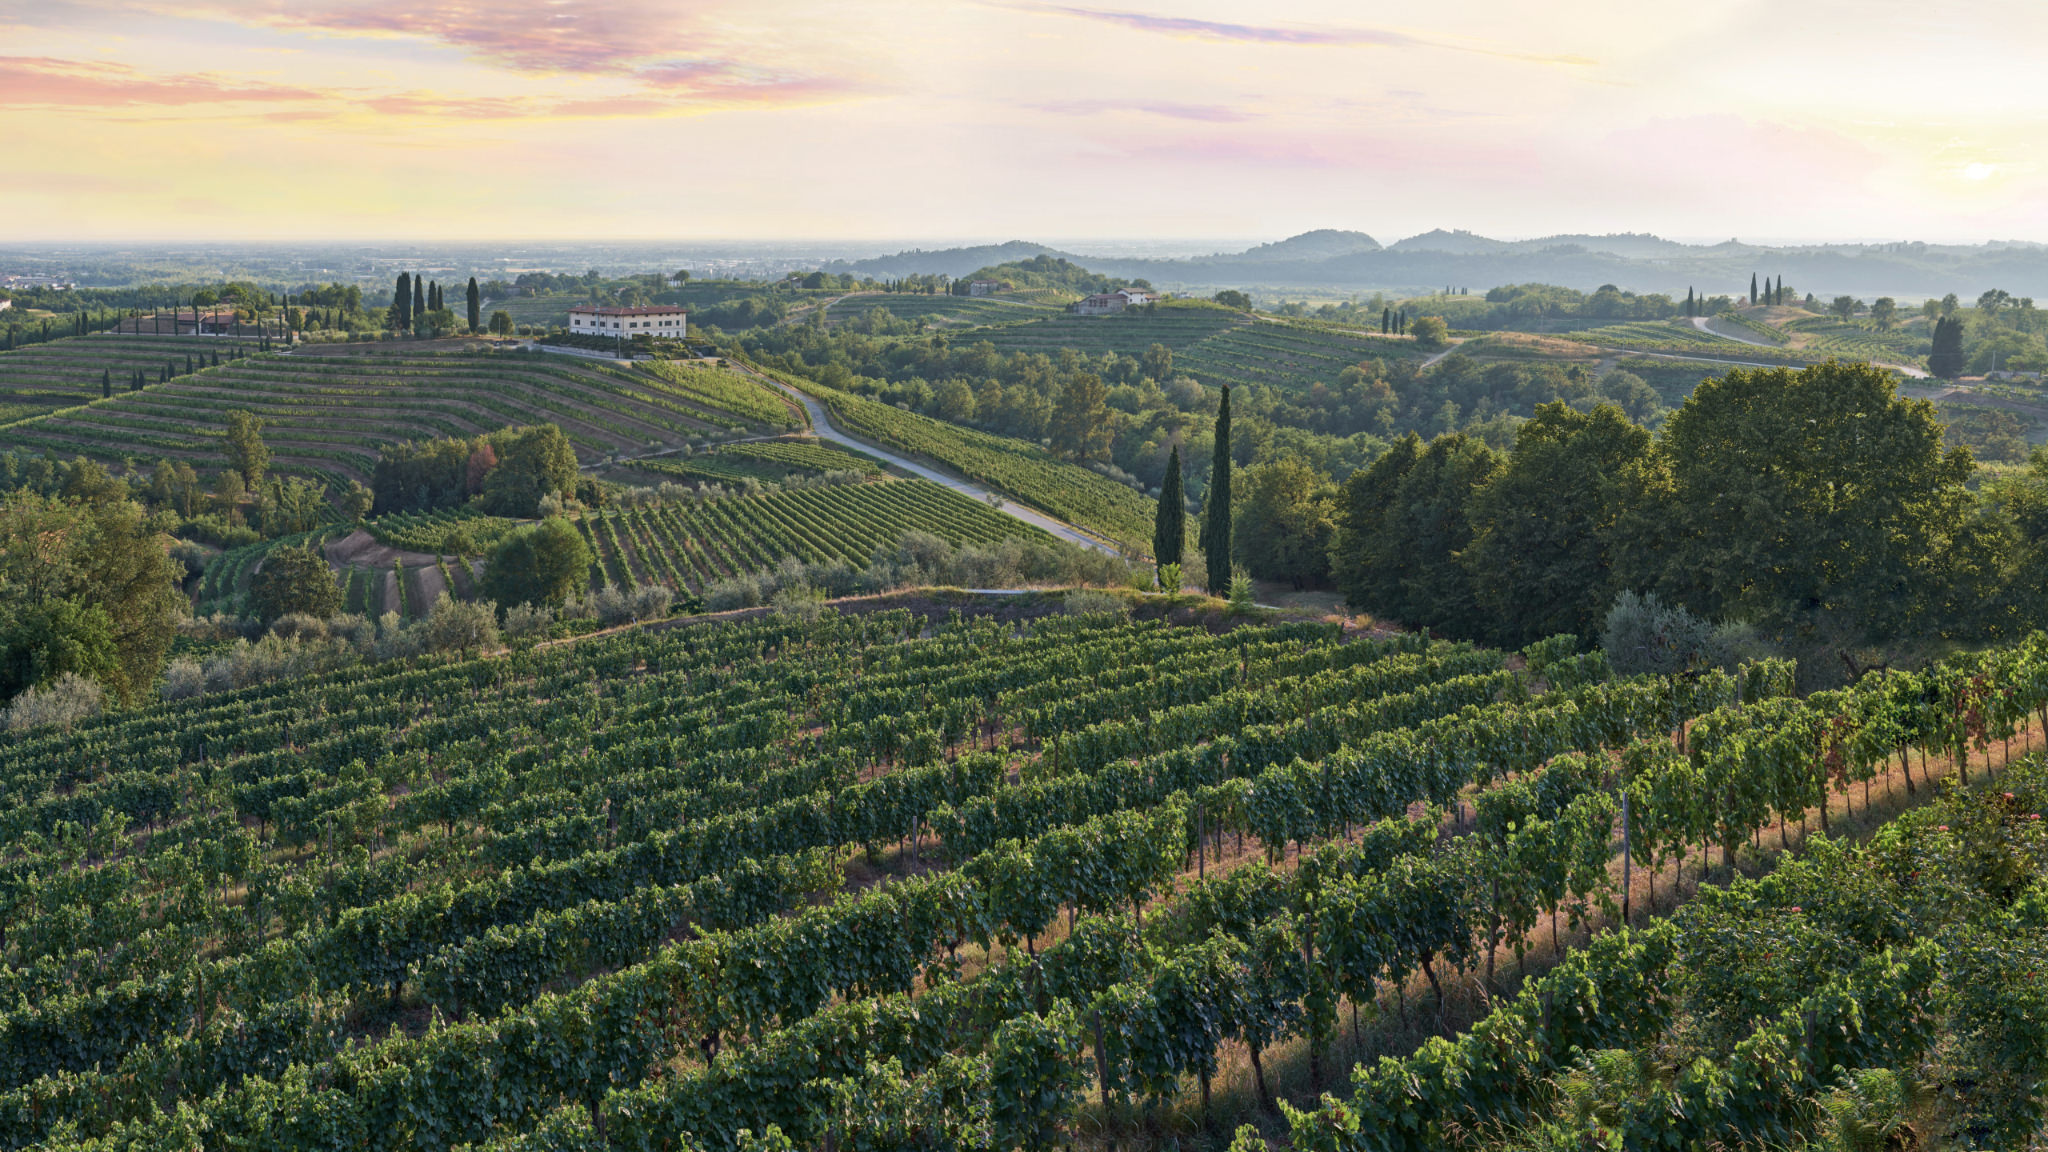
402, 297
1170, 527
419, 299
1753, 297
188, 363
1386, 320
1216, 522
476, 307
106, 383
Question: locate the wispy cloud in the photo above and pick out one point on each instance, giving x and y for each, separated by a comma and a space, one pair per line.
1324, 37
1206, 113
1238, 33
32, 81
524, 35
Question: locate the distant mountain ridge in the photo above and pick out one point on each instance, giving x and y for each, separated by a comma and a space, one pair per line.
1336, 260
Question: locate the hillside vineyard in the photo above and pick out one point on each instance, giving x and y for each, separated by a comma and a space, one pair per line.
882, 874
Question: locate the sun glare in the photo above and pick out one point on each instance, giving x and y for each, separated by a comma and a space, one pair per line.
1979, 171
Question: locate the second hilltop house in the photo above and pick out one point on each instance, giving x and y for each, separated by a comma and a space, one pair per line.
1110, 303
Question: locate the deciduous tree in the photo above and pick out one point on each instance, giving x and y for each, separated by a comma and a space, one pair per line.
543, 563
246, 453
1542, 531
295, 580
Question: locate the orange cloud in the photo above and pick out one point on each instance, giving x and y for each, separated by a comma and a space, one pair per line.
41, 81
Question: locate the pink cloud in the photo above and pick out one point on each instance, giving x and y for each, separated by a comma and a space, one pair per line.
41, 80
526, 35
1240, 33
1232, 33
1207, 113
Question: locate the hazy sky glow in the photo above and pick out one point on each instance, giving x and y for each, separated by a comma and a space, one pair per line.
995, 119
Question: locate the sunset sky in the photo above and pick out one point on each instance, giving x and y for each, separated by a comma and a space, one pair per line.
992, 119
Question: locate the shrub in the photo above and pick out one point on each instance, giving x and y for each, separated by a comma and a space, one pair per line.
459, 626
66, 700
1088, 602
1241, 592
1645, 635
652, 602
184, 679
799, 602
526, 621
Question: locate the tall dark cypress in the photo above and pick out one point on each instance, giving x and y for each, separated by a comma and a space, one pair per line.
1170, 527
419, 298
402, 296
1753, 297
1216, 524
476, 307
106, 383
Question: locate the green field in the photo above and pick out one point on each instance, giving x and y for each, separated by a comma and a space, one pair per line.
326, 413
690, 546
882, 880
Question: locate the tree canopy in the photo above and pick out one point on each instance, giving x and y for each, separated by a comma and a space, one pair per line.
295, 580
542, 563
85, 587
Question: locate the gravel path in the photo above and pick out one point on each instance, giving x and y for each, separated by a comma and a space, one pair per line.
821, 423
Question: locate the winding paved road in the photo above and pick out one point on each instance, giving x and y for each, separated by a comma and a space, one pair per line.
822, 425
1705, 324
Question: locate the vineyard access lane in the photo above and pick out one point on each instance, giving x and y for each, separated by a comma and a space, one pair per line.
822, 425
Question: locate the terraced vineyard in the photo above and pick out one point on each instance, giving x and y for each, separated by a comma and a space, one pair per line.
1130, 333
950, 309
888, 881
1678, 337
694, 545
326, 415
761, 460
1289, 355
1856, 341
40, 378
1018, 469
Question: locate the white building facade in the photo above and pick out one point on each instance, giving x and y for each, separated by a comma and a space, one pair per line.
663, 320
1110, 303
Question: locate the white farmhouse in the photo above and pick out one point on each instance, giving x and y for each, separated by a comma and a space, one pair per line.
663, 320
1110, 303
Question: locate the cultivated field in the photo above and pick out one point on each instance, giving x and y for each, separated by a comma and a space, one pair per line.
327, 412
692, 546
886, 874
